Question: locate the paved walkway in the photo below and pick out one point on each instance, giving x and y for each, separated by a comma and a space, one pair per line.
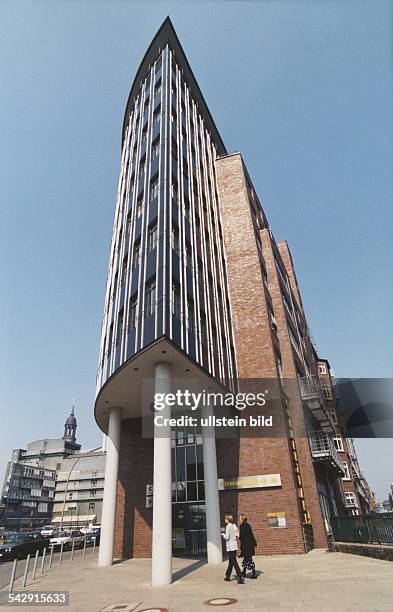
319, 581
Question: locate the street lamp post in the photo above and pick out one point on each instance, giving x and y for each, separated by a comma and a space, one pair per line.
68, 480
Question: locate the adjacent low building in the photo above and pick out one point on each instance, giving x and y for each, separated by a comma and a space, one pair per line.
53, 480
27, 495
79, 490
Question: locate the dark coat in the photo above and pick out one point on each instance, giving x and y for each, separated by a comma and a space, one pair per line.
247, 540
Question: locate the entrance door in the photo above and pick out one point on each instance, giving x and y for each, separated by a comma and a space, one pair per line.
189, 530
188, 494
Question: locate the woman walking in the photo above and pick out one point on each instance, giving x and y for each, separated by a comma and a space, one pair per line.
247, 546
231, 534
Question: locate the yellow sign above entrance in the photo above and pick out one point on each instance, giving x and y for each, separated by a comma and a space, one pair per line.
250, 482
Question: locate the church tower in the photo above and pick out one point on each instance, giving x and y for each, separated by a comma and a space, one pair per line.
70, 427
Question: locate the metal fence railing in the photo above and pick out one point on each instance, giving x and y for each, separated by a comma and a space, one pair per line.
30, 575
366, 528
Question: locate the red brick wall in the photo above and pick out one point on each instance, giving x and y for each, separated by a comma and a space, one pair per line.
289, 357
254, 346
133, 520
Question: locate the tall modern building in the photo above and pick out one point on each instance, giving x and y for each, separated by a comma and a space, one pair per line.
201, 296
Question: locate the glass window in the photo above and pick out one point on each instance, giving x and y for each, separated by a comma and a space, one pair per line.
191, 491
174, 193
191, 462
190, 314
349, 499
201, 491
152, 237
199, 454
188, 255
338, 443
322, 368
197, 226
187, 209
180, 463
119, 331
156, 118
176, 299
203, 329
175, 238
136, 255
132, 312
157, 88
154, 189
124, 271
181, 491
139, 207
155, 152
326, 390
173, 463
346, 471
150, 297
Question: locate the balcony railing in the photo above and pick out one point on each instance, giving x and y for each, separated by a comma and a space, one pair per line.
323, 449
312, 396
310, 388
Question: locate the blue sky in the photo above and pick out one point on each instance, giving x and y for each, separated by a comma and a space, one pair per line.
302, 89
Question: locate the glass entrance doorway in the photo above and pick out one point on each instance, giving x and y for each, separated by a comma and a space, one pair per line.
188, 494
189, 530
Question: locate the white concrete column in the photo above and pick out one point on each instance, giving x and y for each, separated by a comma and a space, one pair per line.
105, 557
213, 527
161, 572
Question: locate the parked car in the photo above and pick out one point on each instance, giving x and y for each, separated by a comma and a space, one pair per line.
4, 535
19, 545
67, 538
48, 531
94, 534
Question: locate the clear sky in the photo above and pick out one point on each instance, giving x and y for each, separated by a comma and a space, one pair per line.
302, 89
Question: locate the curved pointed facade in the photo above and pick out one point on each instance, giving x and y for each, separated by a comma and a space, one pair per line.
167, 275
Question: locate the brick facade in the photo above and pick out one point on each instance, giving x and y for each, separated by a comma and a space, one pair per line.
264, 351
133, 520
255, 353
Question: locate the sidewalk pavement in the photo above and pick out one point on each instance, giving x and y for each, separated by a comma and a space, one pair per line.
317, 582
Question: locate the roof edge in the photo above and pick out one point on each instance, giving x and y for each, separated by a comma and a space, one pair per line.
166, 34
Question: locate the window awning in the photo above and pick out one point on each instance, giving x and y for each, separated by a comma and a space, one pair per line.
75, 518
